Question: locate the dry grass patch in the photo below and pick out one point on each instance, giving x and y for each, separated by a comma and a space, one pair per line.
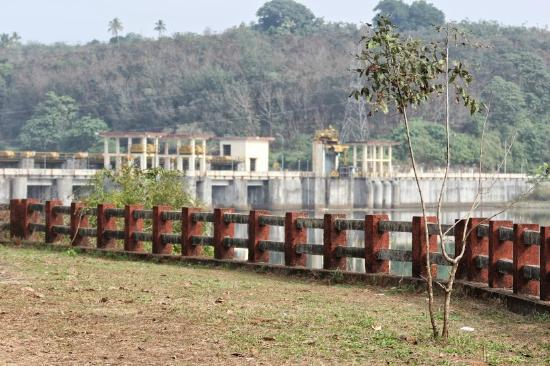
65, 308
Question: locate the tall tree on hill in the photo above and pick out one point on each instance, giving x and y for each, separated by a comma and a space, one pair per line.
160, 27
408, 17
115, 27
284, 16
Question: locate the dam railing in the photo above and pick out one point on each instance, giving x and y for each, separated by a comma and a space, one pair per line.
499, 254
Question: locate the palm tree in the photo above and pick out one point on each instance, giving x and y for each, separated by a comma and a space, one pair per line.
115, 26
160, 27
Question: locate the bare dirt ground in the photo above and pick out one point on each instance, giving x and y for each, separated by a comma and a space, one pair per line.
63, 308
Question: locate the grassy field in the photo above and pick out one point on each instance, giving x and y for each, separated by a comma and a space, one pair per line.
59, 307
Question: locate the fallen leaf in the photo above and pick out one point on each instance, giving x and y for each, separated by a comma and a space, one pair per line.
268, 339
219, 300
467, 329
237, 354
104, 299
376, 328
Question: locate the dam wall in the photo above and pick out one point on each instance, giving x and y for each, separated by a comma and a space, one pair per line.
286, 190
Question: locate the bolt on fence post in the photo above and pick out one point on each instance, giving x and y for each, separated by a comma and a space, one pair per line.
79, 219
294, 236
524, 255
374, 242
221, 231
545, 263
419, 251
160, 227
190, 228
499, 250
52, 219
105, 222
332, 239
256, 233
131, 225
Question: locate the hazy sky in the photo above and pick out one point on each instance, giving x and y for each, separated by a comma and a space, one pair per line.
79, 21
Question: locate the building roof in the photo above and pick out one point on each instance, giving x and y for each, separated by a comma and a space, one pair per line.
245, 138
374, 143
151, 134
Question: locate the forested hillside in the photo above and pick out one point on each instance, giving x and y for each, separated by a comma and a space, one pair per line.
285, 76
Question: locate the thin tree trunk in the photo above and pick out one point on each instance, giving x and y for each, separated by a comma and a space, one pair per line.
429, 280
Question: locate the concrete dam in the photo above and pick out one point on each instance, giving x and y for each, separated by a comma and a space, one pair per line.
284, 190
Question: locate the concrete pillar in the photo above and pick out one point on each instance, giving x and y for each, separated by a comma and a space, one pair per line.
118, 158
381, 167
387, 201
354, 158
373, 156
167, 162
26, 163
395, 194
203, 158
64, 189
156, 153
179, 159
204, 191
364, 164
143, 156
106, 157
390, 162
192, 157
18, 188
369, 187
378, 194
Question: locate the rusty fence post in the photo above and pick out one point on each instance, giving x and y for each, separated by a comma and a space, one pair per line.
256, 233
223, 230
332, 239
499, 250
375, 241
21, 216
52, 219
79, 219
131, 225
419, 251
524, 255
105, 222
161, 226
294, 236
17, 218
475, 246
545, 263
190, 228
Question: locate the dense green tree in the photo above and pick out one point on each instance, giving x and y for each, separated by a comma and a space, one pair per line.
284, 16
55, 126
409, 17
508, 106
83, 135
